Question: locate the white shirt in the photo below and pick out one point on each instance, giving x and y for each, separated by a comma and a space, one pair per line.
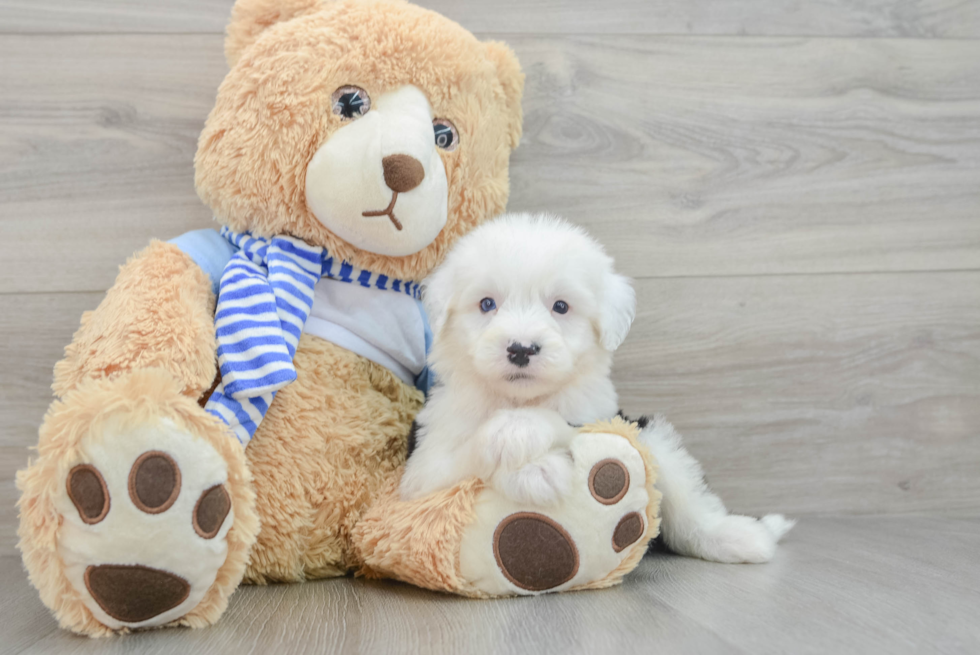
387, 328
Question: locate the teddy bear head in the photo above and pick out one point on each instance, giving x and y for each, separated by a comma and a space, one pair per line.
375, 128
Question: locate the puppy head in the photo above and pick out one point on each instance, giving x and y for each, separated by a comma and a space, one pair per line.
527, 304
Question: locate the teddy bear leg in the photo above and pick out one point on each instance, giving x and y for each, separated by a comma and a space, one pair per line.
159, 313
139, 511
695, 520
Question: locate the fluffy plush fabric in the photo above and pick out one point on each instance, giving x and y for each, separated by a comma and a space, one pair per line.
273, 112
333, 439
330, 442
158, 314
73, 425
418, 542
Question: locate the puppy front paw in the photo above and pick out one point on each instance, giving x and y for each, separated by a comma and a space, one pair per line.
543, 482
514, 437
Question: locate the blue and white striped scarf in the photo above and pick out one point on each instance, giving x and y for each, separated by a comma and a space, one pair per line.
264, 299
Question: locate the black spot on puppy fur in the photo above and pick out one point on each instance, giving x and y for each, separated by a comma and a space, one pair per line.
641, 422
412, 439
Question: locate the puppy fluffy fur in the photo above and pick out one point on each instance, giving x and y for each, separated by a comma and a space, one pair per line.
506, 417
503, 416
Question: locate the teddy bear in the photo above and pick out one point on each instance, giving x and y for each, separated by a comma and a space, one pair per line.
237, 407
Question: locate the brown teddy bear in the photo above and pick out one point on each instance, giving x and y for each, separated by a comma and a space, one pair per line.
350, 145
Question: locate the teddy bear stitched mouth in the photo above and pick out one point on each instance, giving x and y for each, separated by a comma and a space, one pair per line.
388, 211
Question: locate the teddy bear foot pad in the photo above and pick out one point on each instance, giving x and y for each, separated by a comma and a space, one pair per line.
145, 513
536, 554
521, 550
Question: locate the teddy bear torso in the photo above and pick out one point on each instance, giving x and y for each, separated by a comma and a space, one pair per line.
329, 443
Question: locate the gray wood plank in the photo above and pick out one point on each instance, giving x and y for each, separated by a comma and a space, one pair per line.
802, 394
835, 18
847, 585
836, 586
877, 18
34, 330
687, 156
114, 16
817, 394
98, 138
696, 156
25, 619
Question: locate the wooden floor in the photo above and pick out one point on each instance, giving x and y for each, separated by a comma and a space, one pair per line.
840, 585
795, 187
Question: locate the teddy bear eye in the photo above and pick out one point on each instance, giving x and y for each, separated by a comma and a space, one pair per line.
351, 102
447, 137
487, 305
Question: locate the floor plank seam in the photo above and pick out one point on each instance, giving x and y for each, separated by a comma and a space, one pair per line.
563, 35
730, 276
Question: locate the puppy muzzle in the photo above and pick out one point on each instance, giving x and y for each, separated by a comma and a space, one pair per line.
520, 355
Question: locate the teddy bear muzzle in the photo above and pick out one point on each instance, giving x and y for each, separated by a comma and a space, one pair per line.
379, 181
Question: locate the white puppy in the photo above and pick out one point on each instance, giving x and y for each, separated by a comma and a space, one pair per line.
526, 313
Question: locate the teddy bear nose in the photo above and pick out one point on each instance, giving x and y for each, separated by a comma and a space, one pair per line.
402, 172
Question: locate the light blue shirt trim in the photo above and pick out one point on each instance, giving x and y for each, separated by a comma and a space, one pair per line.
209, 250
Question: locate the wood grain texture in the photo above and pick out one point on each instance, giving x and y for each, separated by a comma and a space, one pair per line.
686, 156
864, 18
816, 394
98, 138
859, 585
834, 18
696, 156
114, 16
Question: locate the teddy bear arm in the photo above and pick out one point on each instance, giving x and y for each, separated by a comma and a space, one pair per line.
158, 314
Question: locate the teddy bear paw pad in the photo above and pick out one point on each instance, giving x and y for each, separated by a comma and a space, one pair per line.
534, 552
510, 549
111, 585
145, 516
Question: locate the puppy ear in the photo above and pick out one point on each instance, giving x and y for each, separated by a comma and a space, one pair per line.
618, 307
437, 290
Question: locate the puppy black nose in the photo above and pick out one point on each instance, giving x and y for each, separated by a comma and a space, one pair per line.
520, 355
402, 172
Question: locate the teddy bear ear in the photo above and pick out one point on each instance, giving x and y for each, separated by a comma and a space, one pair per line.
512, 80
249, 18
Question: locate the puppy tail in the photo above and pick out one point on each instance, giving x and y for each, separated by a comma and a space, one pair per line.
696, 522
777, 525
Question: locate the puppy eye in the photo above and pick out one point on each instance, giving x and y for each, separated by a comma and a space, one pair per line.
447, 137
487, 305
350, 102
560, 307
